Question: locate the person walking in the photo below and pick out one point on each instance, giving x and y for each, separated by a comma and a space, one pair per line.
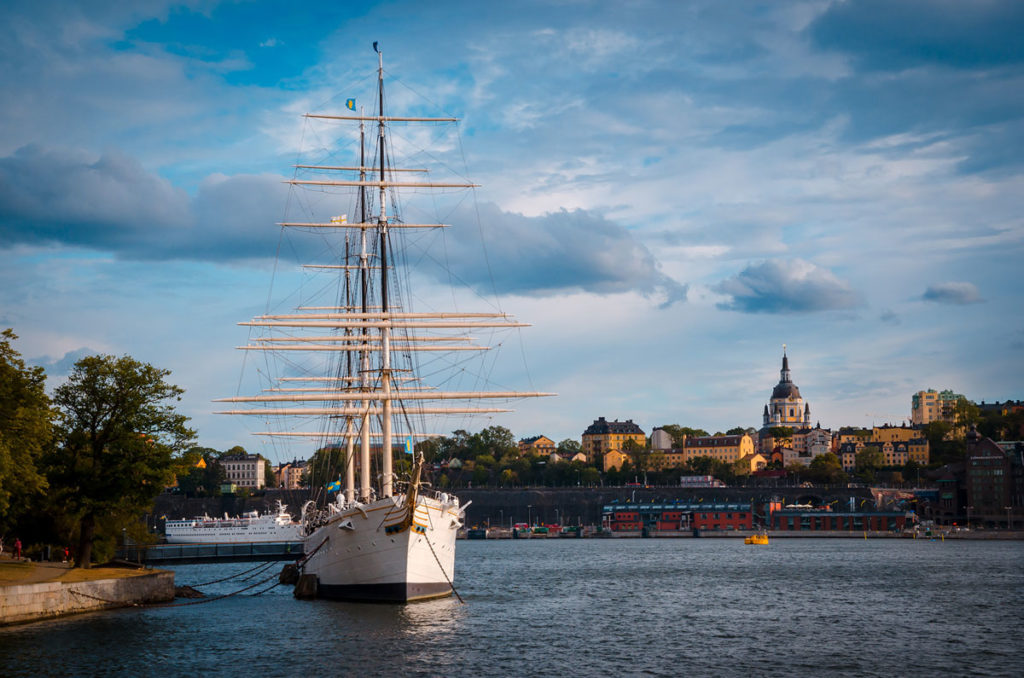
17, 549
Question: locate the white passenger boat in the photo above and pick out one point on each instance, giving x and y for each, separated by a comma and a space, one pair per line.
249, 527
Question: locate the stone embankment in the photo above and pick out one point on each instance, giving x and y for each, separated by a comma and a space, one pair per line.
39, 591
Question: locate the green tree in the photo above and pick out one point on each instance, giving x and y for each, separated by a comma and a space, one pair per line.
268, 474
736, 431
680, 433
827, 468
965, 413
327, 465
26, 432
118, 432
569, 447
638, 454
869, 460
781, 433
496, 441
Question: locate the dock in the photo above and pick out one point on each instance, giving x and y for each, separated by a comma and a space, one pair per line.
211, 553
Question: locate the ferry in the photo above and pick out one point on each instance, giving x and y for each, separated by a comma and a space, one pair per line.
249, 527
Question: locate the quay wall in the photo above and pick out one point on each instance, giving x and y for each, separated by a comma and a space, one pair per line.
33, 602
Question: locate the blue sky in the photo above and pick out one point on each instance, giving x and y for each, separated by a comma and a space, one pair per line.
670, 191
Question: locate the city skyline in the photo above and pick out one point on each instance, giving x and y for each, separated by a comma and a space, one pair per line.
669, 193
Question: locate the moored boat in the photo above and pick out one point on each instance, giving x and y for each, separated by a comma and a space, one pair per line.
392, 537
249, 527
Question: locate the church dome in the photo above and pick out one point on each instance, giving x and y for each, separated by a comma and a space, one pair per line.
785, 389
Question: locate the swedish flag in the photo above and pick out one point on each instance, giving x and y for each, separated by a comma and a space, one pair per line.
408, 445
350, 104
335, 486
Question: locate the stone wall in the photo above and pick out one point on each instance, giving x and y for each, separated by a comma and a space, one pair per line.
32, 602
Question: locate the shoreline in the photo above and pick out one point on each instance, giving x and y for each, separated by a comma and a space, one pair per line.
31, 591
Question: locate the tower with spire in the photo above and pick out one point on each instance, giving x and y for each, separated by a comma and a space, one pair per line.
786, 407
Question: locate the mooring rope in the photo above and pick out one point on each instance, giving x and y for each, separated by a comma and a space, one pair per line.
217, 581
442, 569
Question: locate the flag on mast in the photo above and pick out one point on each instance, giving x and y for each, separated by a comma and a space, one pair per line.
350, 104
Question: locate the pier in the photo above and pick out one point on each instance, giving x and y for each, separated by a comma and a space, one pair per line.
210, 553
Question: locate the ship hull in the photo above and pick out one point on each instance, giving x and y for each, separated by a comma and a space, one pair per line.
362, 554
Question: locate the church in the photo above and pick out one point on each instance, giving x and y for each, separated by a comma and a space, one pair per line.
786, 407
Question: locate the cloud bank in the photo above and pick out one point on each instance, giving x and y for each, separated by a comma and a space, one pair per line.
112, 203
955, 293
786, 286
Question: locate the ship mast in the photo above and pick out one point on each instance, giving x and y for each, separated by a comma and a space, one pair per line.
382, 227
364, 361
364, 389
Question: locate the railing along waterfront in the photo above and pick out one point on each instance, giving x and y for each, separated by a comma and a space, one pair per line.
210, 553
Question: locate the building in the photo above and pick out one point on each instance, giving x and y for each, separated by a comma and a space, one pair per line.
538, 445
722, 448
847, 453
989, 475
812, 442
676, 517
754, 462
603, 436
613, 459
661, 440
245, 470
786, 407
818, 520
931, 405
893, 434
289, 475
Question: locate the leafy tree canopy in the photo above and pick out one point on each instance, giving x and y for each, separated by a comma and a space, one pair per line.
679, 433
118, 432
25, 432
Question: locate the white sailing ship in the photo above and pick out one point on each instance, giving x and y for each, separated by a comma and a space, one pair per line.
391, 537
249, 527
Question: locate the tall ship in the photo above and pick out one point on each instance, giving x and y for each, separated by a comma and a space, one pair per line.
251, 526
352, 366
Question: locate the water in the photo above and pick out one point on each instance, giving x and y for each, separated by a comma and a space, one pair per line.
655, 607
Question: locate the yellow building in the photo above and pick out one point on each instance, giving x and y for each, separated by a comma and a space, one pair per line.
914, 446
603, 436
722, 448
613, 459
893, 434
753, 462
539, 445
931, 405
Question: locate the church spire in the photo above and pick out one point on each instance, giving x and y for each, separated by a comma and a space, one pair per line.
784, 373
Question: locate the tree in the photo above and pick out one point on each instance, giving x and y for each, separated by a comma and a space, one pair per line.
269, 479
199, 472
781, 432
867, 461
25, 432
117, 435
827, 468
569, 447
736, 431
965, 413
638, 454
680, 433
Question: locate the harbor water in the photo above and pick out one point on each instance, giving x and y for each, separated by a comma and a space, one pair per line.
569, 607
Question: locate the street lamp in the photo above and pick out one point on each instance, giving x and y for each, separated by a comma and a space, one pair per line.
969, 509
1007, 516
529, 522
